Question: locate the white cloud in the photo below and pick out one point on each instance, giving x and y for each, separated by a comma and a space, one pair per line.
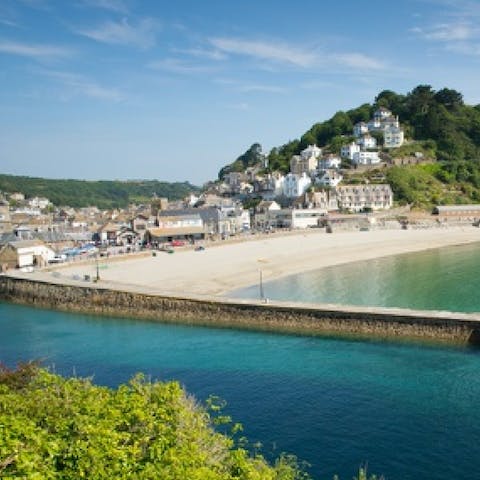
175, 65
358, 61
276, 52
79, 85
141, 35
36, 51
202, 53
447, 32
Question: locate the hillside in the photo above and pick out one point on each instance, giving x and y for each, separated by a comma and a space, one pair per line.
437, 123
103, 193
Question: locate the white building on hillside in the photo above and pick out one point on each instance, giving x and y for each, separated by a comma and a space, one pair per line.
359, 129
311, 151
382, 113
329, 178
367, 141
38, 202
393, 137
347, 151
356, 198
329, 161
296, 185
374, 125
366, 158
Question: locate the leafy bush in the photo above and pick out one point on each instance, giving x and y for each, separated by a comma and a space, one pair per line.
56, 428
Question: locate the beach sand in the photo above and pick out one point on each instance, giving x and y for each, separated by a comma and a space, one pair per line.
227, 266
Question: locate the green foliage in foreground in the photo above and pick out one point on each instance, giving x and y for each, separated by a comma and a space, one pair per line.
103, 194
57, 428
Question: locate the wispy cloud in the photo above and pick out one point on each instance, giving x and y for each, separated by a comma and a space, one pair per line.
358, 61
276, 52
447, 32
8, 23
141, 35
36, 51
79, 85
175, 65
282, 53
117, 6
202, 53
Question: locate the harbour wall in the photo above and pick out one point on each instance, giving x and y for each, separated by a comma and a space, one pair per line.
306, 319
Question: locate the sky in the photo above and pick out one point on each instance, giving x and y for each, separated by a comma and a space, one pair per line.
174, 90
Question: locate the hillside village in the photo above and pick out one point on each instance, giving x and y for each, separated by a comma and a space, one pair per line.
344, 189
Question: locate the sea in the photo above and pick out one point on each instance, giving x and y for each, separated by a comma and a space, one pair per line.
406, 411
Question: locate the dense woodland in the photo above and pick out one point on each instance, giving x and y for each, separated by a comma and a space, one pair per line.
103, 194
437, 123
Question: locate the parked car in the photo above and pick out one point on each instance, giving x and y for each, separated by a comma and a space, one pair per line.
177, 243
58, 258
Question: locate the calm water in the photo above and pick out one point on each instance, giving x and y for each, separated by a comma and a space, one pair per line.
409, 411
440, 279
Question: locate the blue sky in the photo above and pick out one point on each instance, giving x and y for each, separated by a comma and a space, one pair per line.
174, 90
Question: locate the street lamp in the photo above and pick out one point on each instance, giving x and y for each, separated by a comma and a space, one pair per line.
97, 268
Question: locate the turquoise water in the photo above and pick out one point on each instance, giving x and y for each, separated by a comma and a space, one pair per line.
409, 411
439, 279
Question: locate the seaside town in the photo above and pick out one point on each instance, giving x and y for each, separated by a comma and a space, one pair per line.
239, 240
314, 194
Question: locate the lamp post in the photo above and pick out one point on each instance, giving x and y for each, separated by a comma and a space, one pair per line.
97, 268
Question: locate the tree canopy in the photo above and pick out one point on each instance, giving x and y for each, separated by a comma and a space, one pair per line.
103, 193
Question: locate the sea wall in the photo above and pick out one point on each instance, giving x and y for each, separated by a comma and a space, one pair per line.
278, 317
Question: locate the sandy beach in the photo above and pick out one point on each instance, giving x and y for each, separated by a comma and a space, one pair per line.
228, 266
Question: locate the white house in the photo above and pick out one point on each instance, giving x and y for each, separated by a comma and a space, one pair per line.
356, 198
374, 124
382, 113
390, 122
38, 202
359, 129
311, 151
366, 158
25, 253
264, 212
296, 185
330, 178
367, 141
329, 161
271, 186
393, 137
347, 151
307, 217
307, 161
